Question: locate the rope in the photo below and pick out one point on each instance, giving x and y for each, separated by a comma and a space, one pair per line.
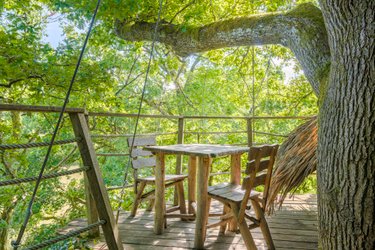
44, 177
65, 236
113, 154
37, 144
139, 110
119, 187
16, 243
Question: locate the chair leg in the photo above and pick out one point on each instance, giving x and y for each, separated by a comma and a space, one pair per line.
181, 197
223, 227
208, 208
150, 205
259, 213
232, 224
137, 198
245, 231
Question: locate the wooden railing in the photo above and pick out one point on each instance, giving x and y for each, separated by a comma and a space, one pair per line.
179, 131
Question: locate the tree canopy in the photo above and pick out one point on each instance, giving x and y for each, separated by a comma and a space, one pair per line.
112, 64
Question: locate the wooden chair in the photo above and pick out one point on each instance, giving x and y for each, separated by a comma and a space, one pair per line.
235, 197
142, 160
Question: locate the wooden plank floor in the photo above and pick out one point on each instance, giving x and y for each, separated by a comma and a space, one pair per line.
292, 227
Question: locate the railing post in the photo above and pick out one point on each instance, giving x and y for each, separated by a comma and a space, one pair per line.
249, 132
180, 140
95, 180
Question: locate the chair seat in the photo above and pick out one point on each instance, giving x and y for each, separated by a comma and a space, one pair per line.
168, 178
230, 192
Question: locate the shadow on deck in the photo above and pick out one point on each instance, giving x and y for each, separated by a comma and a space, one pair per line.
292, 227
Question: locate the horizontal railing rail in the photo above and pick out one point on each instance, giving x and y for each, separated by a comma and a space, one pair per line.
55, 109
113, 114
131, 135
30, 108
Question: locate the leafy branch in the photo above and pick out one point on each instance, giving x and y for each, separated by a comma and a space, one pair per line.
14, 81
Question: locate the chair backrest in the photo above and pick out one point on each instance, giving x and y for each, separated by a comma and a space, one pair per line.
259, 169
141, 158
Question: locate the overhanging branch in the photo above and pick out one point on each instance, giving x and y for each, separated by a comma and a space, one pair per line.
300, 29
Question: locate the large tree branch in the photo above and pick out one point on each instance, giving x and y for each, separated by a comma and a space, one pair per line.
301, 29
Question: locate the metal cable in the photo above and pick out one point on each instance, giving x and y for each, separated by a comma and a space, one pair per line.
16, 243
44, 177
65, 236
139, 108
112, 154
37, 144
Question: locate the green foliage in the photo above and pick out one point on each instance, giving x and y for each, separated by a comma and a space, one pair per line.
221, 82
309, 185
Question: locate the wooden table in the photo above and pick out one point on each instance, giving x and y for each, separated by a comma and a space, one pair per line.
201, 155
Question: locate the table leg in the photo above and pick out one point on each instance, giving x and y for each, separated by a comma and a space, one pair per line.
192, 170
202, 211
235, 163
235, 166
159, 217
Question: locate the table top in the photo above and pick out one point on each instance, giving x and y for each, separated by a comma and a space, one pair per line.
205, 150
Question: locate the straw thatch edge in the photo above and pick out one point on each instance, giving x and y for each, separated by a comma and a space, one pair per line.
296, 160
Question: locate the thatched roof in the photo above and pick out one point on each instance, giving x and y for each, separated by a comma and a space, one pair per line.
296, 159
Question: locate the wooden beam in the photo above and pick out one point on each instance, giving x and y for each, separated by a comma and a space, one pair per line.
110, 114
95, 180
180, 140
30, 108
92, 213
42, 109
249, 124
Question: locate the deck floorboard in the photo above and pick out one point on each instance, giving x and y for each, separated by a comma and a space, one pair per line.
292, 227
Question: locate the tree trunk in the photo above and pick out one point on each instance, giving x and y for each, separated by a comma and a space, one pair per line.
346, 145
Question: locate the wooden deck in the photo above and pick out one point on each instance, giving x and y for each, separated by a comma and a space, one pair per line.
292, 227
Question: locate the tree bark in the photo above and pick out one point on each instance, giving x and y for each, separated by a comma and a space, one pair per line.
346, 148
301, 29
